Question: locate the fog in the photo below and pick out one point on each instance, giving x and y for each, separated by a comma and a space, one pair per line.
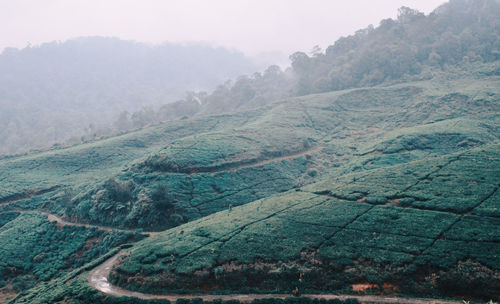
249, 151
253, 27
139, 63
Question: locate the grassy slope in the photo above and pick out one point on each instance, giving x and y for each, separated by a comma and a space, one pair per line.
88, 163
397, 225
177, 172
173, 173
35, 250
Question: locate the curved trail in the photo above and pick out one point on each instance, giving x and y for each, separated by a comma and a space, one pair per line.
281, 158
232, 166
60, 221
54, 218
98, 278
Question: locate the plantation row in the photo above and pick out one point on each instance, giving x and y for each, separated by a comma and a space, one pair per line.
329, 186
331, 243
172, 183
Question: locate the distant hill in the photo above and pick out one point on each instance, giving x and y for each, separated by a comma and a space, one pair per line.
412, 47
55, 91
455, 33
83, 86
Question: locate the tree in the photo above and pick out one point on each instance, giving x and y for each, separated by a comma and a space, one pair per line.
300, 62
407, 15
123, 122
316, 51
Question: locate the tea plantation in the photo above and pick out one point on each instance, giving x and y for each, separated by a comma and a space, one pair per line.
35, 250
393, 186
377, 226
173, 173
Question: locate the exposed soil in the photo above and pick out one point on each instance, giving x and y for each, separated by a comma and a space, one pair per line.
7, 293
4, 297
246, 163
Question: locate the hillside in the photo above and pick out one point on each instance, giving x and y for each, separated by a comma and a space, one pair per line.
84, 90
311, 175
385, 188
185, 169
392, 228
458, 35
61, 90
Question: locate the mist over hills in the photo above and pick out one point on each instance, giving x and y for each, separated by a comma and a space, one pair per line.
412, 47
79, 90
55, 91
457, 32
370, 168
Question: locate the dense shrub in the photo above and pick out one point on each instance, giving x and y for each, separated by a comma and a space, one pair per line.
33, 249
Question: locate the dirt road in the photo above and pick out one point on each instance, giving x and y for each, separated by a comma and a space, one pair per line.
60, 221
98, 278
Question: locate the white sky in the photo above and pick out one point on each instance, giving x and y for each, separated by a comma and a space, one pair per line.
249, 26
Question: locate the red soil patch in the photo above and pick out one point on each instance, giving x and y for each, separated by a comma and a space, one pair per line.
362, 288
394, 201
4, 297
389, 288
7, 293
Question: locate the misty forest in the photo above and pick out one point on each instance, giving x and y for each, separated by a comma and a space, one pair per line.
364, 172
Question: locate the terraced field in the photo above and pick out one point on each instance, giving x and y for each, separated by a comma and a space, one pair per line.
377, 227
388, 189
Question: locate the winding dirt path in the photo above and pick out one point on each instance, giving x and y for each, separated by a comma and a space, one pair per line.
54, 218
281, 158
98, 278
241, 164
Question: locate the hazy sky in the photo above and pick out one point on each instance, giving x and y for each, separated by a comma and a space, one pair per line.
250, 26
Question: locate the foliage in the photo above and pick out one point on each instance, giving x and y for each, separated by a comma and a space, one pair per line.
458, 34
34, 249
8, 216
455, 33
394, 185
374, 214
343, 240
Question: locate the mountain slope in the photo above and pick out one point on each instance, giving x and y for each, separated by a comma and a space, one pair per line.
389, 188
347, 162
187, 169
396, 226
456, 37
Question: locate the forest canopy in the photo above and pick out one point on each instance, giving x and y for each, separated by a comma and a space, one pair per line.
458, 31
